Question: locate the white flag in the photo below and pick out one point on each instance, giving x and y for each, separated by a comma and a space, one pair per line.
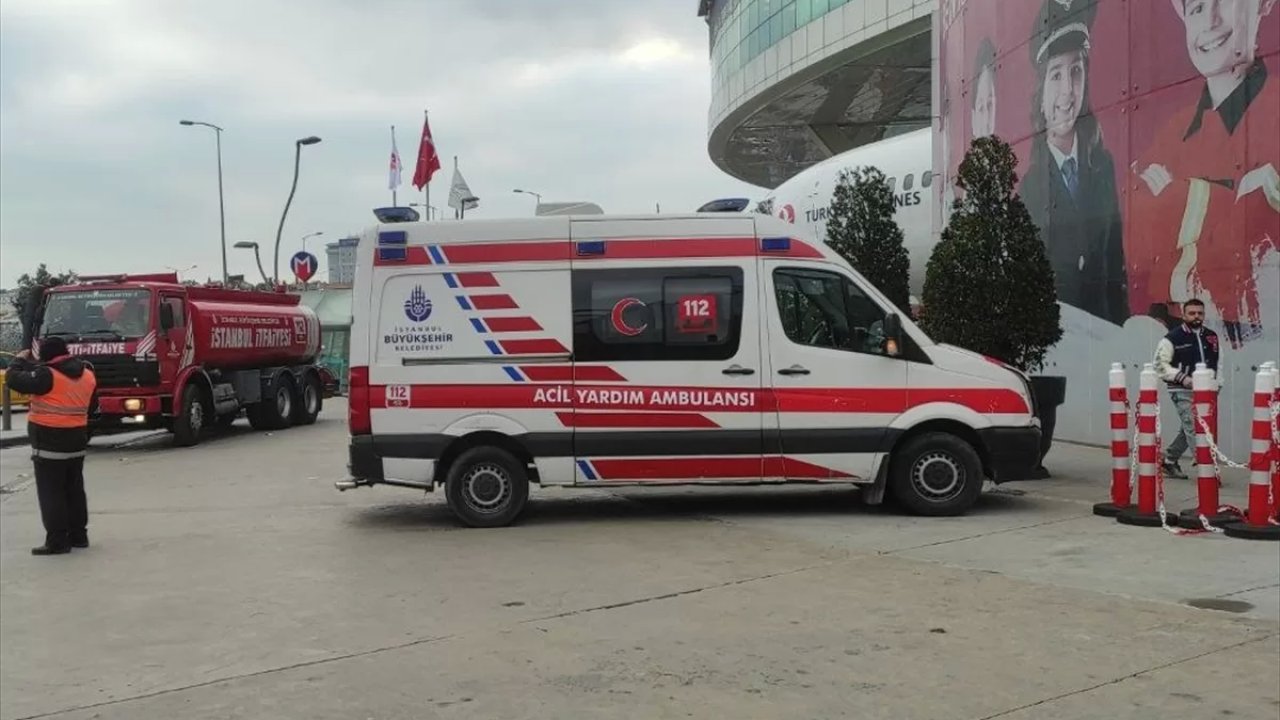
460, 196
394, 181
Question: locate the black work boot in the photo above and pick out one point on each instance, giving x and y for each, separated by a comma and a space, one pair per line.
47, 550
80, 541
1173, 470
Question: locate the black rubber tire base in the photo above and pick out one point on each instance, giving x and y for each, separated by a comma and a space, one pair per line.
1132, 516
1109, 509
1244, 531
1190, 519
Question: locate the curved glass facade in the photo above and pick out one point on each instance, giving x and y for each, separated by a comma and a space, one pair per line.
742, 29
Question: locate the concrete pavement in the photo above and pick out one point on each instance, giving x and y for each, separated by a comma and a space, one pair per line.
231, 580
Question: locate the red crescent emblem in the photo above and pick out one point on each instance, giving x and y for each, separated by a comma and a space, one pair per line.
620, 323
788, 213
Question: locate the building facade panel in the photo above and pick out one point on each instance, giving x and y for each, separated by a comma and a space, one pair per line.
1148, 141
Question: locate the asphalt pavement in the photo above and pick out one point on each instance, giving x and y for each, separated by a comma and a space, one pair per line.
231, 580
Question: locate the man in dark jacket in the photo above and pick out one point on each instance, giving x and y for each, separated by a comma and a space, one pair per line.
1177, 355
62, 390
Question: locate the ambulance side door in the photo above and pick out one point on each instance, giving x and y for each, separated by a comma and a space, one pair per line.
667, 356
836, 390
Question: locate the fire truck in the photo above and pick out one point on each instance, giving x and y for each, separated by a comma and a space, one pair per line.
188, 358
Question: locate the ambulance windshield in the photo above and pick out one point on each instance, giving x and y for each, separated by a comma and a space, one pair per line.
82, 313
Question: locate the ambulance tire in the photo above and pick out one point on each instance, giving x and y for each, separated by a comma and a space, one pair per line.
487, 487
936, 474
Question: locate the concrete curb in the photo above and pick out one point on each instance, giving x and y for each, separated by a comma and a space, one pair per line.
16, 441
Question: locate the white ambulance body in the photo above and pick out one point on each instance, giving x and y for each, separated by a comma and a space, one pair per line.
600, 351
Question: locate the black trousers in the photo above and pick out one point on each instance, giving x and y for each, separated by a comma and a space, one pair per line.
63, 506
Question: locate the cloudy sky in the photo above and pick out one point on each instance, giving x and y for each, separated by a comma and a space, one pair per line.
603, 101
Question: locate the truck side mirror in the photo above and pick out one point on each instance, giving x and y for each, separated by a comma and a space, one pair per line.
892, 334
166, 316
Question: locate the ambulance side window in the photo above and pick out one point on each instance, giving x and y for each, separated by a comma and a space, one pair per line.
825, 309
657, 314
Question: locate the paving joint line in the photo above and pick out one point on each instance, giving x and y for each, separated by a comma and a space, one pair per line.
1260, 587
1130, 676
676, 594
241, 676
982, 535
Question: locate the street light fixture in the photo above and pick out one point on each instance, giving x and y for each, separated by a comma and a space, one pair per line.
530, 192
309, 235
246, 245
297, 158
222, 215
431, 209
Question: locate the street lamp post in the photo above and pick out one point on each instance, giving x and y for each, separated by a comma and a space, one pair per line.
530, 192
297, 158
309, 235
246, 245
222, 215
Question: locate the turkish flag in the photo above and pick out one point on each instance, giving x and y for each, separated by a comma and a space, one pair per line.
428, 160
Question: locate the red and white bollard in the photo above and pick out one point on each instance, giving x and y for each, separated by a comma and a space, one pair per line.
1275, 441
1258, 524
1121, 465
1147, 513
1204, 404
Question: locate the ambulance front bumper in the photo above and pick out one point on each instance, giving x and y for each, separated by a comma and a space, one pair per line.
1012, 453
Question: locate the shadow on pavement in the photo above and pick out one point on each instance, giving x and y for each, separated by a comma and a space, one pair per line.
712, 503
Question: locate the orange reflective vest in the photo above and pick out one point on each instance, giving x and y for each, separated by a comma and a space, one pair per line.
67, 404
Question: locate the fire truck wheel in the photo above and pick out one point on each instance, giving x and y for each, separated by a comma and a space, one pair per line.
191, 418
936, 474
487, 487
307, 405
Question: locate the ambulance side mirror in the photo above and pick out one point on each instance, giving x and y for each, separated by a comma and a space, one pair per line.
166, 316
892, 335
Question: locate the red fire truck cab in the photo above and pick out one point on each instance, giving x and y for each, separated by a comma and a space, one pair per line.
185, 358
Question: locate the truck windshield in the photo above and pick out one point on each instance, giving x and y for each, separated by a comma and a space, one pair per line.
120, 313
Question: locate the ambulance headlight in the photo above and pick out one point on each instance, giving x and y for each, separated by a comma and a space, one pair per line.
132, 405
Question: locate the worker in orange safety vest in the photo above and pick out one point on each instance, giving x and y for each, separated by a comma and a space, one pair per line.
63, 393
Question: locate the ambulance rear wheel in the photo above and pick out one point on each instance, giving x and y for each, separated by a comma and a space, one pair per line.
487, 487
936, 474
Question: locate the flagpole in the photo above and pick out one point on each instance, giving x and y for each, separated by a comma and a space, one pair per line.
461, 212
393, 149
426, 186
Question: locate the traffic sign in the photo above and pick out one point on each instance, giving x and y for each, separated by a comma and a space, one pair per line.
304, 265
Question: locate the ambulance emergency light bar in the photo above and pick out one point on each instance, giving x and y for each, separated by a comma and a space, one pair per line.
396, 214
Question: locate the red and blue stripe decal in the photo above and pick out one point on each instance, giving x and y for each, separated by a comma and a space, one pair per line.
705, 468
636, 248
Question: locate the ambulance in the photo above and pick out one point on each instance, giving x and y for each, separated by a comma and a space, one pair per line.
604, 351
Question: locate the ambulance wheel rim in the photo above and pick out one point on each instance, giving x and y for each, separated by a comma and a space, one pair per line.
486, 488
938, 476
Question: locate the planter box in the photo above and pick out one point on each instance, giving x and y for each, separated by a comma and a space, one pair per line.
1050, 391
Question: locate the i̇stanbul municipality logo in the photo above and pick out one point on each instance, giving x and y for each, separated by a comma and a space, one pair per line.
418, 307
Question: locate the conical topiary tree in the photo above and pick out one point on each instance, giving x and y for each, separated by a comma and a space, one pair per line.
860, 226
988, 286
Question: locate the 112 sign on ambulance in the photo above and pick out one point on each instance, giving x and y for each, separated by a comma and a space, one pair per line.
709, 348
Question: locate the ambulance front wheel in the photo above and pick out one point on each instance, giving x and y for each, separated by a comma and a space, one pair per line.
936, 474
487, 487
